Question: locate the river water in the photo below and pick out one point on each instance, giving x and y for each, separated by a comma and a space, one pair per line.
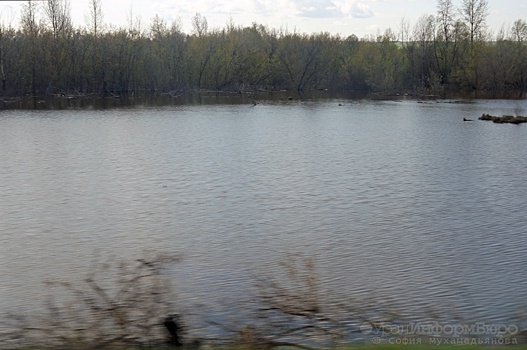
398, 199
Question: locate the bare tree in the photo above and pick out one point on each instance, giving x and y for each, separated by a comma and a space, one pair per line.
445, 19
423, 31
176, 26
96, 16
474, 13
519, 65
158, 27
404, 28
199, 24
134, 24
117, 304
2, 70
31, 29
58, 13
423, 53
5, 30
28, 19
519, 31
445, 52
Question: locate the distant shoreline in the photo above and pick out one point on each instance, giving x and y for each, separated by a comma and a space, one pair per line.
99, 101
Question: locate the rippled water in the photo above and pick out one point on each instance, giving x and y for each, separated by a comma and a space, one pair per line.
400, 199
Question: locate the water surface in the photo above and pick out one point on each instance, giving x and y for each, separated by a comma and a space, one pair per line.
403, 200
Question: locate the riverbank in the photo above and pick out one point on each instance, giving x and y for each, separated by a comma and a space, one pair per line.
148, 99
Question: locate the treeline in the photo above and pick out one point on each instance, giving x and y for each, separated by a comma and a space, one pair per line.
449, 52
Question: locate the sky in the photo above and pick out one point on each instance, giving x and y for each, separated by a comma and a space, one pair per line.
344, 17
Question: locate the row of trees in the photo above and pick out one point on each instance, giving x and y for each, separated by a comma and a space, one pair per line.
450, 51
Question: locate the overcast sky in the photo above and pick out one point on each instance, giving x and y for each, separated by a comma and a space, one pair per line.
345, 17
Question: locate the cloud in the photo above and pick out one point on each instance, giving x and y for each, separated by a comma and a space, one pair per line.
361, 10
332, 9
317, 8
281, 8
354, 8
233, 7
268, 8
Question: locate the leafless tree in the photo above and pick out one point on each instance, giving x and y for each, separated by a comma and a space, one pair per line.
96, 16
28, 19
199, 24
158, 27
58, 14
6, 30
118, 303
134, 24
519, 31
474, 14
446, 48
404, 30
445, 19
